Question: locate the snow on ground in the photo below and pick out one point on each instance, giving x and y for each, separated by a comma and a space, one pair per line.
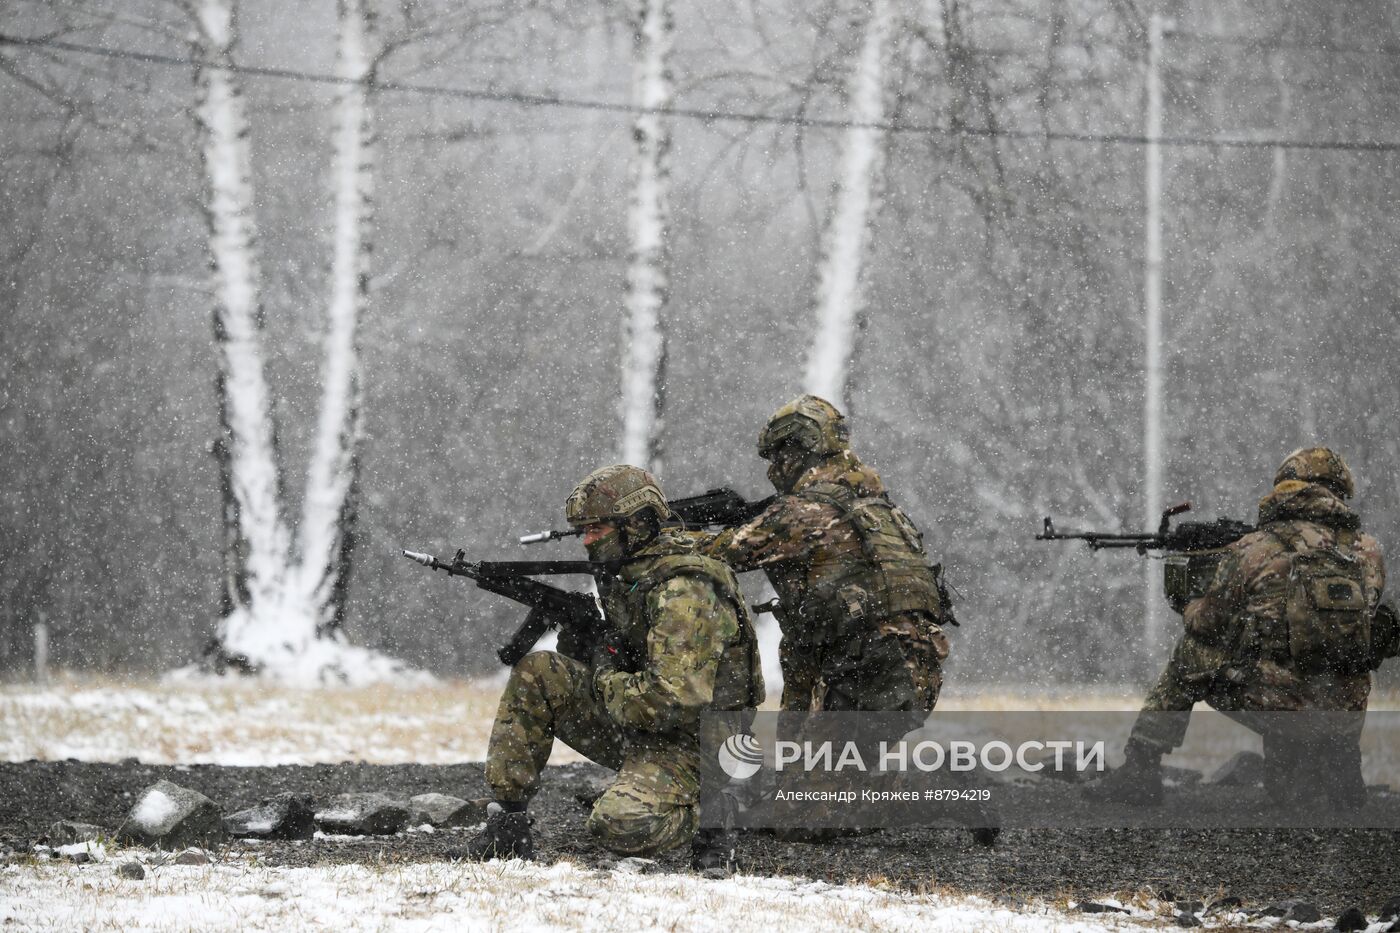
243, 723
241, 894
248, 723
236, 722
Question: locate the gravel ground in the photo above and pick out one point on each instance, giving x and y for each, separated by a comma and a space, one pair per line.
1334, 869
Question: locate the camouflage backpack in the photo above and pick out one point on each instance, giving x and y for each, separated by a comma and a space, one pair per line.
1325, 607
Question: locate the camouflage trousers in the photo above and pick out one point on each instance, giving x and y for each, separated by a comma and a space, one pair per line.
1198, 672
653, 803
896, 668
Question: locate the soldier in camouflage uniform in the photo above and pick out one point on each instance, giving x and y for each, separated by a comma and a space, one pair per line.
859, 606
681, 643
1248, 647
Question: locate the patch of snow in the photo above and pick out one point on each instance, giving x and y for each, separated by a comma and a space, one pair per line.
153, 810
502, 895
247, 723
95, 851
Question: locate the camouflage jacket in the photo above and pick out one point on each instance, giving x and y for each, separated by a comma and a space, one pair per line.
1241, 612
684, 617
834, 585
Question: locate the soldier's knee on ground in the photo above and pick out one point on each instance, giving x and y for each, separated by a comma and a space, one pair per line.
628, 825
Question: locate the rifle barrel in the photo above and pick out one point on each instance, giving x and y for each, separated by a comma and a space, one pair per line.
540, 537
532, 568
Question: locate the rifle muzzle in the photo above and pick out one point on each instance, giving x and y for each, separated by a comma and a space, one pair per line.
540, 537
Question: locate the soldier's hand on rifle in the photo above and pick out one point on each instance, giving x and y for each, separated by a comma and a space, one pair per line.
607, 654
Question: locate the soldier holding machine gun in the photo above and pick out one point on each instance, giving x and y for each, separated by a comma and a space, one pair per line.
1282, 617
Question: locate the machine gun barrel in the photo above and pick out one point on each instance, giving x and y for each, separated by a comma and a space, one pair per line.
1191, 550
1097, 540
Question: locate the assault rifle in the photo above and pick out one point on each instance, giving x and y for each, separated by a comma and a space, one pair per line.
571, 612
1193, 549
721, 507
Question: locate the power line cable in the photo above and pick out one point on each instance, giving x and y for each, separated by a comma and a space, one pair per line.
706, 115
1271, 45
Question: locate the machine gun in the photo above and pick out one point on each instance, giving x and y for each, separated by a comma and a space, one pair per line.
1192, 549
574, 614
721, 507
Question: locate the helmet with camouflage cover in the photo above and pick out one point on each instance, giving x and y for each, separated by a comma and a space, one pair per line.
810, 423
617, 493
1319, 465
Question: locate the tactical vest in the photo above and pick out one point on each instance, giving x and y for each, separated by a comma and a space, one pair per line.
739, 676
1326, 615
842, 589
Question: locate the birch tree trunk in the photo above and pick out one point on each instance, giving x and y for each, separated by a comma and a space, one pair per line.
848, 236
327, 529
256, 539
282, 610
648, 225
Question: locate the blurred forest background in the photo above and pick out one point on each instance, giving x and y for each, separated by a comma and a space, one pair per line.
999, 374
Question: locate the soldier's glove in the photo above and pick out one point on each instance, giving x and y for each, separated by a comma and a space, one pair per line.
607, 656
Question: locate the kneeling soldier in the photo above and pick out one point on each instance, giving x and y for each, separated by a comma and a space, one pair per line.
860, 608
1285, 625
681, 643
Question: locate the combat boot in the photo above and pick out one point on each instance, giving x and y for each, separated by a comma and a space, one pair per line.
1137, 783
714, 850
1348, 787
506, 835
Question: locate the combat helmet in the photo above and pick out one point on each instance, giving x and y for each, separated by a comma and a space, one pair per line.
1319, 465
618, 493
809, 423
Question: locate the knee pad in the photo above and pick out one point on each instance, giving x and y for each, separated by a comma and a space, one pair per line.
636, 827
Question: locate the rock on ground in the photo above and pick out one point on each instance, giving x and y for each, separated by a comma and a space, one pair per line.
443, 810
1351, 920
131, 870
172, 817
1337, 868
286, 816
363, 815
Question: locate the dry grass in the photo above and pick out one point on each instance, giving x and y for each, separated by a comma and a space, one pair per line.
241, 722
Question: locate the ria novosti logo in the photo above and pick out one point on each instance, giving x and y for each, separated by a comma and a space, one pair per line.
740, 756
